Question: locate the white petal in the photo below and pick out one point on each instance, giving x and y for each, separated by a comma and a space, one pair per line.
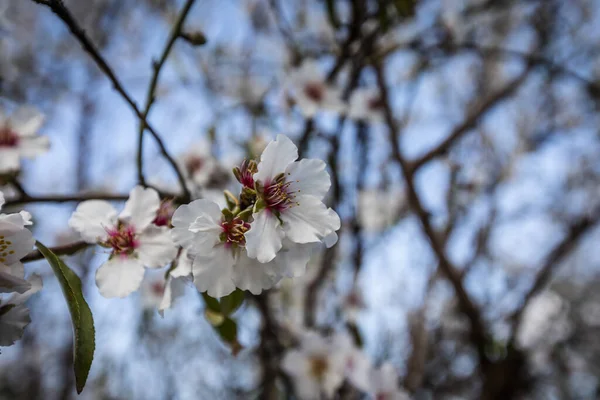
10, 160
34, 146
140, 210
309, 177
36, 285
26, 121
330, 240
263, 240
119, 277
213, 272
15, 245
206, 217
278, 154
92, 218
2, 201
12, 324
156, 248
251, 275
309, 221
174, 289
10, 283
184, 265
292, 258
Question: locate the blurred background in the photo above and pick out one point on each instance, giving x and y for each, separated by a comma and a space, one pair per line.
469, 194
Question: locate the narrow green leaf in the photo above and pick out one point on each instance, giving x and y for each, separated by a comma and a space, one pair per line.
228, 332
211, 302
81, 315
231, 302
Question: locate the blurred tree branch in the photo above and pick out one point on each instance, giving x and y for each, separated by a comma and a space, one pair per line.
175, 33
58, 8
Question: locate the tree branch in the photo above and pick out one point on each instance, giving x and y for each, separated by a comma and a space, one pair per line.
58, 8
175, 33
66, 198
477, 330
480, 110
66, 250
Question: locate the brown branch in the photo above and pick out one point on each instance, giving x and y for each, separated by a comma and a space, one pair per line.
66, 198
150, 97
467, 306
552, 262
469, 122
66, 250
58, 8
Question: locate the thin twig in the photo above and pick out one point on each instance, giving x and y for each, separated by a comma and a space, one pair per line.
66, 250
58, 8
176, 31
66, 198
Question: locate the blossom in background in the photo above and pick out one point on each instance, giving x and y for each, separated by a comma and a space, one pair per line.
384, 384
545, 321
134, 240
379, 209
311, 93
317, 367
198, 164
290, 201
19, 139
160, 291
366, 105
217, 246
14, 316
15, 242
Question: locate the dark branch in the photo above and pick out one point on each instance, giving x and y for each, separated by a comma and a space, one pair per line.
66, 250
150, 97
64, 14
66, 198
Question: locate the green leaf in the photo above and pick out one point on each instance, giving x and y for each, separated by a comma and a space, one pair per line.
228, 332
231, 302
81, 315
211, 302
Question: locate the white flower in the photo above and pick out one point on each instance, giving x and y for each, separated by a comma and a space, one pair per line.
134, 240
14, 316
317, 367
357, 365
291, 201
18, 138
366, 105
384, 384
15, 242
310, 91
216, 245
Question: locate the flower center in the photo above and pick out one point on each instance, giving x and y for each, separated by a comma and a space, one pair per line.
8, 138
318, 367
315, 91
164, 213
194, 165
122, 239
278, 196
233, 232
158, 288
5, 248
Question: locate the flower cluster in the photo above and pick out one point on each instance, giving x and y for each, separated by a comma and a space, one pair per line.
308, 88
15, 242
320, 365
267, 232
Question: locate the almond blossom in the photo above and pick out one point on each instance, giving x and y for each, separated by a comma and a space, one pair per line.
216, 243
290, 202
160, 290
15, 242
366, 105
317, 367
18, 138
135, 242
14, 315
384, 384
311, 92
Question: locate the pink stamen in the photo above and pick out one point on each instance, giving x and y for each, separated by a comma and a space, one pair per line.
8, 138
122, 239
234, 231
